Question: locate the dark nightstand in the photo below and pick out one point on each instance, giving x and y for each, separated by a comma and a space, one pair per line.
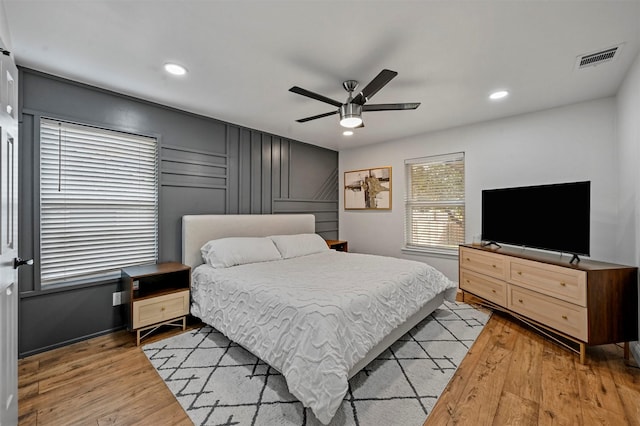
158, 295
338, 245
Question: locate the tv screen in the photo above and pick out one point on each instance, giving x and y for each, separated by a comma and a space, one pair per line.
550, 217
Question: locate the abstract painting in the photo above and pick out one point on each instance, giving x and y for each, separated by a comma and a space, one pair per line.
368, 189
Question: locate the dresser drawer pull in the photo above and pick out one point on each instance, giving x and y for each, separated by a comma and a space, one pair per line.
493, 290
519, 272
163, 308
468, 282
520, 300
563, 284
493, 266
564, 317
468, 260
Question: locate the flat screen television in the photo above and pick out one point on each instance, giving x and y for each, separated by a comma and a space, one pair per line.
549, 217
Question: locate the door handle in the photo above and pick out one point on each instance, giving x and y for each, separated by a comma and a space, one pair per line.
18, 261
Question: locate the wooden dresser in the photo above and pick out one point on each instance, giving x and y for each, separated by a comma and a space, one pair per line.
588, 303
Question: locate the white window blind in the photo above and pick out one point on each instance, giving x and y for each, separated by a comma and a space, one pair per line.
434, 204
98, 201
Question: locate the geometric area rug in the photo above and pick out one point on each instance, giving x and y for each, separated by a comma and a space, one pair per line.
218, 382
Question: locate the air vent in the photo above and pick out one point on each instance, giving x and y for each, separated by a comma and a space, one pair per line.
597, 58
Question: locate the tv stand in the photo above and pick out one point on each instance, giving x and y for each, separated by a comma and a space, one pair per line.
584, 304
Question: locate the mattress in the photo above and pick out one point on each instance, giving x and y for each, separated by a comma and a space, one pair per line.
314, 317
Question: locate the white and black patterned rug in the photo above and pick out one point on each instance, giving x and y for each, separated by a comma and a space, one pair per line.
218, 382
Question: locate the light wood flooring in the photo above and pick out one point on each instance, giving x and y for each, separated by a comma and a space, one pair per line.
511, 376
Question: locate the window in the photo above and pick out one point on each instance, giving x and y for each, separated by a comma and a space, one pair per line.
98, 202
434, 205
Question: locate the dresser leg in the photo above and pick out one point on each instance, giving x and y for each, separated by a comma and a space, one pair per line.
627, 353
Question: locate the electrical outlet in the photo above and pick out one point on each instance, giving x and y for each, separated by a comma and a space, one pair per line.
117, 298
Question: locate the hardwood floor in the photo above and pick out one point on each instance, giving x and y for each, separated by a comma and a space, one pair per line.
103, 381
514, 376
511, 376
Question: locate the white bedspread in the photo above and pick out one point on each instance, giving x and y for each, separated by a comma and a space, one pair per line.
314, 317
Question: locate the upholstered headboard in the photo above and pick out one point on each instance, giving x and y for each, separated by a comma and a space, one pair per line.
198, 229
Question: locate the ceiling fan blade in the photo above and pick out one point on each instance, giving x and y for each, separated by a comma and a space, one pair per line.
326, 114
390, 107
374, 86
317, 97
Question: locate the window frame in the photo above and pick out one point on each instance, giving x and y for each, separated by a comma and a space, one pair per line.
438, 251
96, 278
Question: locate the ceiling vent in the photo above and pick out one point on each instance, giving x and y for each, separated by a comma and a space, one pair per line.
599, 57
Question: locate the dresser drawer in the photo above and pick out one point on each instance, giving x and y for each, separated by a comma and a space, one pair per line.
562, 316
562, 283
161, 308
485, 287
486, 263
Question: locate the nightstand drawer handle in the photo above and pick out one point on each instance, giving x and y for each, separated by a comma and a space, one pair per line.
564, 317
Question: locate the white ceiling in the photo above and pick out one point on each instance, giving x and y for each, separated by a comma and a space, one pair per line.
243, 56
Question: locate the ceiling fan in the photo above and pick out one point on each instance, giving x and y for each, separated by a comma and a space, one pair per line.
351, 111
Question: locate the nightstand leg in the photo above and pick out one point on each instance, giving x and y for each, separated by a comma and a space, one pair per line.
627, 352
583, 353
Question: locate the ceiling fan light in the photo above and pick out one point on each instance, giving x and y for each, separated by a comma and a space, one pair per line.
351, 122
350, 115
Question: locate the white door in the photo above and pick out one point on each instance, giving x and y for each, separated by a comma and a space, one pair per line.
8, 239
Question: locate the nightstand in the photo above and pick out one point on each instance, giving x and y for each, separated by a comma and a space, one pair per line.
158, 295
338, 245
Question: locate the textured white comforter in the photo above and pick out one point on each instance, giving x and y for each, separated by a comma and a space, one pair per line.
314, 317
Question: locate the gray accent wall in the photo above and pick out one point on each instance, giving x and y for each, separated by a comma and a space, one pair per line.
205, 166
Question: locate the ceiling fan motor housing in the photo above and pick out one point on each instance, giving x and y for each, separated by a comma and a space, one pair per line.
350, 115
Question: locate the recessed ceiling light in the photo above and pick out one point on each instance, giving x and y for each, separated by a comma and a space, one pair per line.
348, 132
175, 69
499, 95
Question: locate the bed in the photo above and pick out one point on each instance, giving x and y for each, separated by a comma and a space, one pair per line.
317, 318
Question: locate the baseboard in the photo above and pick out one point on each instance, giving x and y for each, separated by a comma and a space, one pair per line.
68, 342
635, 351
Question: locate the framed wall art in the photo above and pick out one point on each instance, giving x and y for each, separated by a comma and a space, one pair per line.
368, 189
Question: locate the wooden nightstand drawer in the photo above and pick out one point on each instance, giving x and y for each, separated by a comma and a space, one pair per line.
483, 286
563, 283
161, 308
486, 263
562, 316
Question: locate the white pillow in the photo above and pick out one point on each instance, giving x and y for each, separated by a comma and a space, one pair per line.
226, 252
299, 244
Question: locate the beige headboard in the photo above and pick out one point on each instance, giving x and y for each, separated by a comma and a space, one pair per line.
198, 229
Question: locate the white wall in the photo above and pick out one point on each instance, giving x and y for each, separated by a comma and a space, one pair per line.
566, 144
628, 240
5, 36
628, 103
